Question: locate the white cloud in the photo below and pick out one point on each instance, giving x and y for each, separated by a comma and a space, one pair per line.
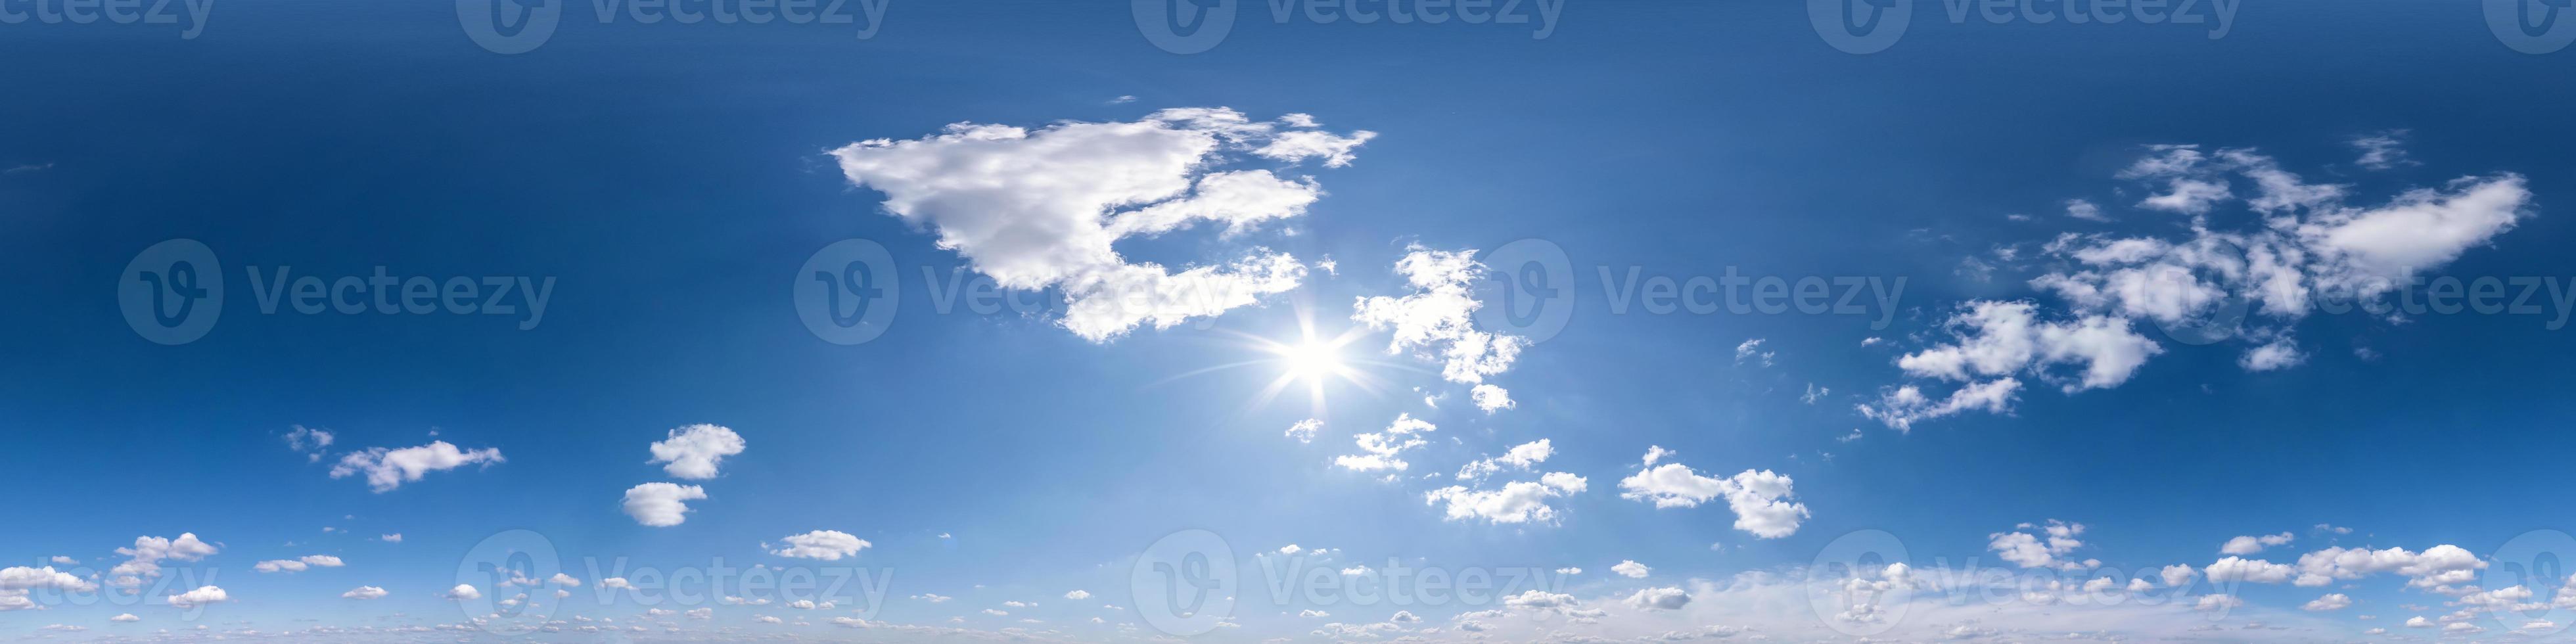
2253, 544
463, 592
1751, 350
1521, 456
2331, 601
1759, 498
148, 553
825, 545
2085, 210
2039, 546
1382, 447
1034, 209
1304, 430
1078, 595
1437, 321
125, 617
17, 582
1490, 398
387, 469
310, 441
2381, 151
364, 592
1631, 569
203, 595
1514, 502
661, 504
2247, 570
693, 452
390, 538
1668, 598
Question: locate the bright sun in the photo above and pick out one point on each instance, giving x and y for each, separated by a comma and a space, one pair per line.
1311, 360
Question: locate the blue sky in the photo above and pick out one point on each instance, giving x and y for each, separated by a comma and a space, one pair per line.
2093, 328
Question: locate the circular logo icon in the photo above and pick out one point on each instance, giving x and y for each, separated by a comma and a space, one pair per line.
2535, 559
1185, 26
846, 293
1860, 26
509, 26
504, 572
2532, 26
1529, 290
172, 292
1184, 584
1854, 586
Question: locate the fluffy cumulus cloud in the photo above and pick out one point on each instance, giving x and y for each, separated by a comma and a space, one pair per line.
17, 582
463, 592
1042, 208
825, 545
1759, 498
2040, 545
386, 469
203, 595
144, 559
1631, 569
365, 592
1379, 449
1437, 321
1515, 502
2331, 601
2253, 544
1522, 457
2305, 243
693, 452
661, 504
